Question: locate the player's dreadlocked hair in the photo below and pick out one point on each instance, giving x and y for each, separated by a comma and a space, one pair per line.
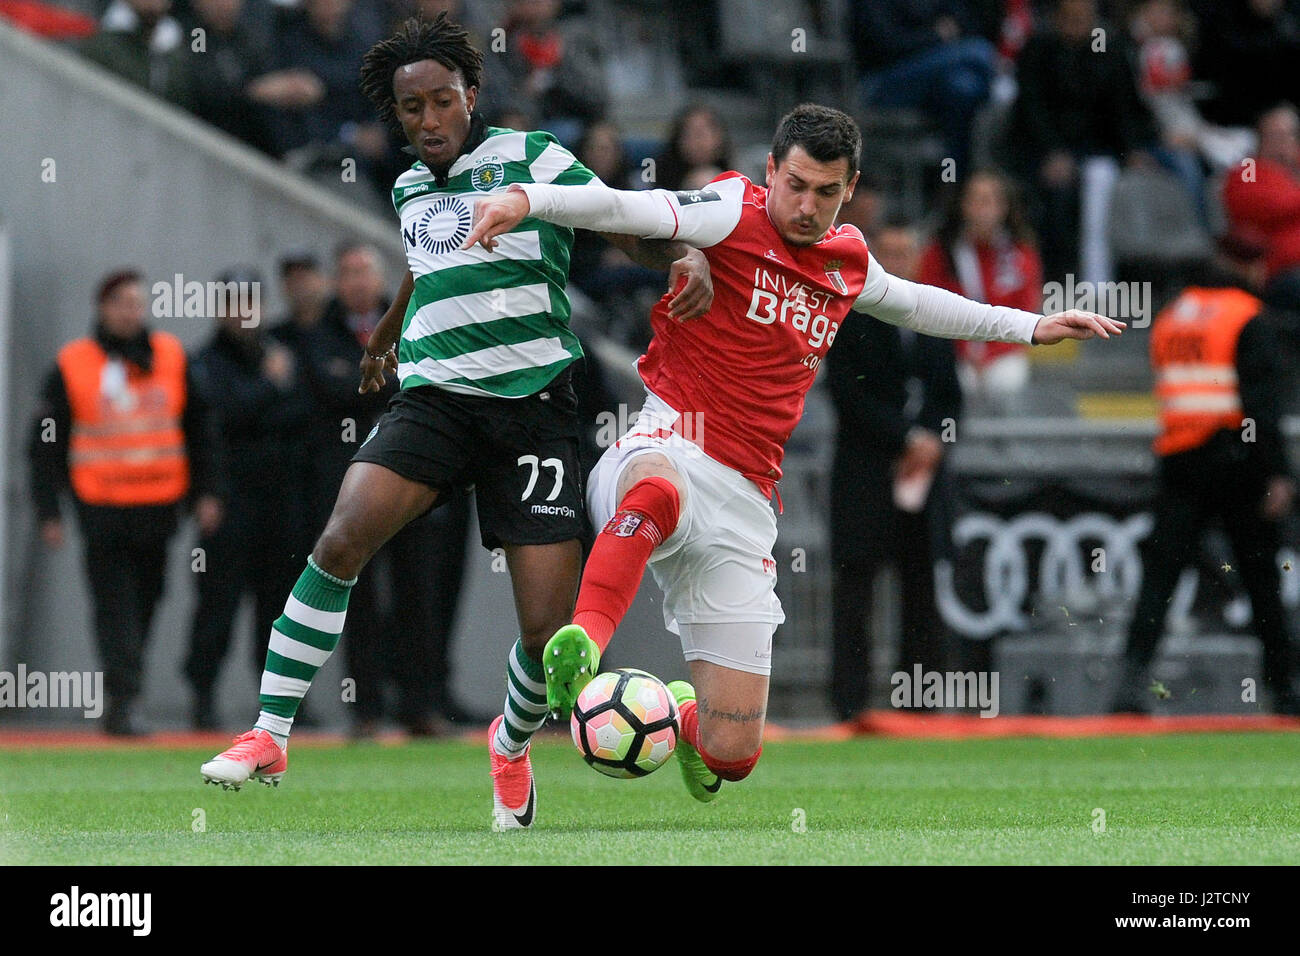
417, 39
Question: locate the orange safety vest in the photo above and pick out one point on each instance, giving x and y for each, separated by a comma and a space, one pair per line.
127, 446
1194, 357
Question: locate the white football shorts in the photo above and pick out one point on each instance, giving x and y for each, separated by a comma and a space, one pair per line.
717, 566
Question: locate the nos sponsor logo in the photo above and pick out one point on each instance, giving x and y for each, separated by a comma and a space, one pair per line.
440, 228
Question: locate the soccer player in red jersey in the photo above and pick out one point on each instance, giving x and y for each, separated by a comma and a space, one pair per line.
687, 490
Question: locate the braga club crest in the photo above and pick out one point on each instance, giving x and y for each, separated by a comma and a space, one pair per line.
833, 274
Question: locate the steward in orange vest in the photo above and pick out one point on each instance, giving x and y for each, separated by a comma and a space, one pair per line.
1220, 456
120, 427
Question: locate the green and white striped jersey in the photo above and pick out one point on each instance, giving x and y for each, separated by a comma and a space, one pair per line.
486, 323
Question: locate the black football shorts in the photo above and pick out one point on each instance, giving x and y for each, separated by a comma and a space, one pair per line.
519, 455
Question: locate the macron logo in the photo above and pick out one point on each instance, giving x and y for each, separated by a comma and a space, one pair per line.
75, 909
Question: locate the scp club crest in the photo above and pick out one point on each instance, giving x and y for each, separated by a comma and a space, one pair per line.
487, 176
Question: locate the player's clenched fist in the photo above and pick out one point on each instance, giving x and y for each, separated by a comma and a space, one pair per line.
1075, 324
494, 215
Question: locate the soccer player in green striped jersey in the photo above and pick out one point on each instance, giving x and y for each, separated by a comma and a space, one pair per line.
481, 345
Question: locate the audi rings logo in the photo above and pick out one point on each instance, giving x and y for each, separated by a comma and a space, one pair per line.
1064, 568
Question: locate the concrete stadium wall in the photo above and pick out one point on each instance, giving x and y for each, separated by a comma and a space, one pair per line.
138, 182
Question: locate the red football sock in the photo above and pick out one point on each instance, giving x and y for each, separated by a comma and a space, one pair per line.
646, 516
689, 721
731, 769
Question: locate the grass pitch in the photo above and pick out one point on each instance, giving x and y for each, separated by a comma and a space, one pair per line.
1178, 799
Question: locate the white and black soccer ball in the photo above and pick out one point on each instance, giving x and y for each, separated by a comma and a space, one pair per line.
624, 723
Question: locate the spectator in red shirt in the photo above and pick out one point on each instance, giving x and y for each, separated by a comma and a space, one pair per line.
985, 252
552, 67
1263, 197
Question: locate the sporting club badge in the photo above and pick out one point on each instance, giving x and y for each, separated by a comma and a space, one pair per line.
487, 175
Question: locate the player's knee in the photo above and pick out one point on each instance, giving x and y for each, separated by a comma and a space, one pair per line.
338, 552
656, 499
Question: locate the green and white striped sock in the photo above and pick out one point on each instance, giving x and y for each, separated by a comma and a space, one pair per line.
302, 640
525, 709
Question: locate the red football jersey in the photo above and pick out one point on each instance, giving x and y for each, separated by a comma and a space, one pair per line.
738, 375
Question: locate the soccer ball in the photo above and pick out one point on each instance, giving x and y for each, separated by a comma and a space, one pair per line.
625, 723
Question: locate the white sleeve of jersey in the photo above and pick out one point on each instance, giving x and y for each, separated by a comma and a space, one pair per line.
702, 217
939, 312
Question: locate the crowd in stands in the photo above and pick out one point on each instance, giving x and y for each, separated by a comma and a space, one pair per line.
1059, 106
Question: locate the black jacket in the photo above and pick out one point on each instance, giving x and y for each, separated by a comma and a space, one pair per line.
1247, 59
869, 370
1078, 101
888, 31
259, 426
331, 354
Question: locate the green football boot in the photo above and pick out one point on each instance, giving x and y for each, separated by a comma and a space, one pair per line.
701, 782
571, 659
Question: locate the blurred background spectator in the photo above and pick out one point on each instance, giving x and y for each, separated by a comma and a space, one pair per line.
868, 207
934, 56
140, 42
318, 115
1263, 199
252, 386
1077, 118
985, 251
698, 139
1163, 30
306, 290
623, 290
223, 62
122, 427
1246, 55
897, 401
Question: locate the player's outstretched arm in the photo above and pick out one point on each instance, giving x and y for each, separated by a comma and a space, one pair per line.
703, 218
495, 216
1075, 324
589, 206
379, 354
945, 314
